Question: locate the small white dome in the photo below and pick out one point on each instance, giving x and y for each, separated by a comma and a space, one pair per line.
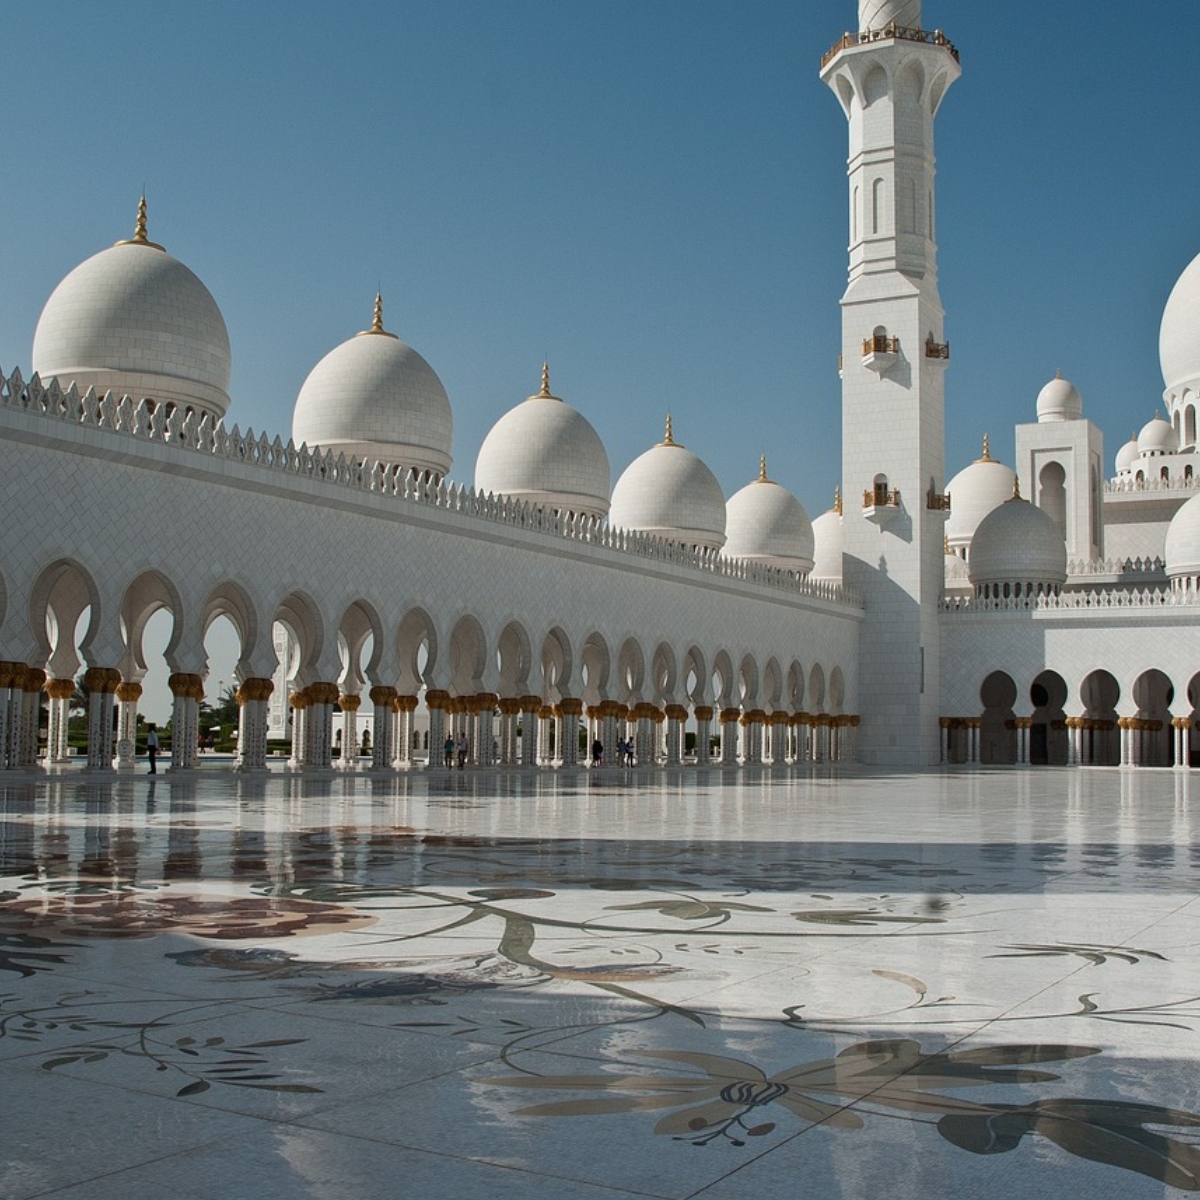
1157, 437
1179, 334
765, 523
1059, 400
1127, 455
1018, 543
827, 545
974, 492
669, 492
878, 14
375, 398
546, 453
1182, 547
135, 321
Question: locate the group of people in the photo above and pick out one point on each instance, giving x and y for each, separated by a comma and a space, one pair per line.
624, 753
452, 749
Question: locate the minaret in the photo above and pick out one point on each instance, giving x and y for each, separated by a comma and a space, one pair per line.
890, 77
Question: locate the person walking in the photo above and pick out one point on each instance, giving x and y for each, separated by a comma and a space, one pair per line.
464, 749
152, 747
597, 752
448, 751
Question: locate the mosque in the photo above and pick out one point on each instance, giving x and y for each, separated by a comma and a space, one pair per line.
1040, 612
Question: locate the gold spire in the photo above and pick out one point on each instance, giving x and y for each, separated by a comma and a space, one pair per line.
139, 229
987, 452
1057, 372
545, 393
946, 546
669, 439
377, 320
762, 469
837, 500
1016, 489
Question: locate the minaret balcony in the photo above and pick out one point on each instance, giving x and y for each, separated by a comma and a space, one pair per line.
892, 32
937, 501
940, 351
881, 504
880, 353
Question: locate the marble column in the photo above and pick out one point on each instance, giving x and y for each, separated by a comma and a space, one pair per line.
350, 703
729, 736
253, 696
129, 693
31, 698
60, 691
549, 743
704, 715
11, 674
1125, 725
1179, 726
402, 752
569, 710
1023, 725
299, 704
614, 724
187, 690
382, 750
676, 715
436, 701
509, 707
752, 723
101, 684
486, 750
531, 706
1074, 737
318, 736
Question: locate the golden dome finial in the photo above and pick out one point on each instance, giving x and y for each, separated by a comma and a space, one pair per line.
140, 237
545, 392
837, 500
1016, 488
1057, 372
762, 469
139, 229
377, 319
986, 456
946, 546
669, 439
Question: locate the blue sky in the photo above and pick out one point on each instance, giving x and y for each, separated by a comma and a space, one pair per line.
651, 194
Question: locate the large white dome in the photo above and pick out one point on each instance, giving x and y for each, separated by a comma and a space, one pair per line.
765, 523
827, 544
668, 491
974, 492
1018, 543
1179, 334
135, 321
1059, 400
374, 397
546, 453
1182, 547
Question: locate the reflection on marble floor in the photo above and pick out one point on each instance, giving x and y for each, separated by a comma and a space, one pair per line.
684, 984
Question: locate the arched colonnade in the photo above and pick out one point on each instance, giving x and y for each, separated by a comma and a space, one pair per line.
1149, 720
520, 695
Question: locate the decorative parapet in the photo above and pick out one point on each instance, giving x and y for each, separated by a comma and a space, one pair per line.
1126, 486
937, 501
1106, 599
937, 349
1117, 566
892, 32
146, 422
881, 496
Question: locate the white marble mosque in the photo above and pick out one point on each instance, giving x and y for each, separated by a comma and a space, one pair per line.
1042, 612
843, 931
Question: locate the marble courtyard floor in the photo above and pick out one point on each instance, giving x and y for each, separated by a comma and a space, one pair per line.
820, 984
